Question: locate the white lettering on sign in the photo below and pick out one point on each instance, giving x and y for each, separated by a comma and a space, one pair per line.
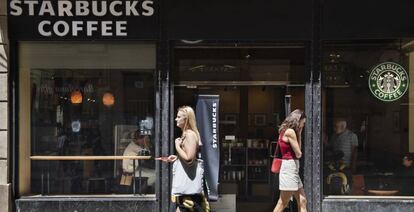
42, 30
148, 7
130, 7
82, 8
214, 125
95, 8
121, 28
16, 9
76, 28
91, 26
46, 8
112, 8
106, 28
64, 8
62, 28
30, 5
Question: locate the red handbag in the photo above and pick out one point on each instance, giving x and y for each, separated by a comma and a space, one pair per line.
277, 162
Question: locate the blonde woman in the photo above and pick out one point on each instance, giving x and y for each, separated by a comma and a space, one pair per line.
187, 189
290, 144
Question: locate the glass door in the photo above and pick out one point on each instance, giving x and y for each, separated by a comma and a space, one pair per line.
252, 84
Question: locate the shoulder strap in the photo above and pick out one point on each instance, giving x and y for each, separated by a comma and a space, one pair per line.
277, 148
282, 133
277, 143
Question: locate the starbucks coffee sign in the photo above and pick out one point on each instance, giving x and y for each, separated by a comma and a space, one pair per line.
83, 19
388, 81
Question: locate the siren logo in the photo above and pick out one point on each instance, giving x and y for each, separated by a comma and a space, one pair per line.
388, 81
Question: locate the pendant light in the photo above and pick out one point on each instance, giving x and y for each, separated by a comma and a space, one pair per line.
108, 99
76, 97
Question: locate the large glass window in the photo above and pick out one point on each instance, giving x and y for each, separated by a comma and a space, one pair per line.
86, 118
368, 118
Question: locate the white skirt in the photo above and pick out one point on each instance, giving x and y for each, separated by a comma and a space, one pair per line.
289, 179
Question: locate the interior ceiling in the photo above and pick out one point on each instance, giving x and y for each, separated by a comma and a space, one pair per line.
295, 55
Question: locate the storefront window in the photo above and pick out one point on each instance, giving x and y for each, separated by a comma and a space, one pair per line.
368, 121
86, 112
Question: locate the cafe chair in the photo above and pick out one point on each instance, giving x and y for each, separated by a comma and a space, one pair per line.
338, 183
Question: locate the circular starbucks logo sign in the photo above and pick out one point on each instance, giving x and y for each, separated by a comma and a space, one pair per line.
388, 81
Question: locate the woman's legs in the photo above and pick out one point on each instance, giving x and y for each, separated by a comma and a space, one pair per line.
301, 199
283, 200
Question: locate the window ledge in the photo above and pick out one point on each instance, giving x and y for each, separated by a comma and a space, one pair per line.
116, 197
357, 198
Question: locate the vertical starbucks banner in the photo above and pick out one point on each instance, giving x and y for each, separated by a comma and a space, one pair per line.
207, 114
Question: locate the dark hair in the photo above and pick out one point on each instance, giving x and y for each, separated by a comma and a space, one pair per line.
408, 155
292, 121
340, 119
138, 135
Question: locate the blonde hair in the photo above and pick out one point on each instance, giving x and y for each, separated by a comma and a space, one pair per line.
190, 120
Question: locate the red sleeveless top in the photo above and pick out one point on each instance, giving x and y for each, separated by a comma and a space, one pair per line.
285, 148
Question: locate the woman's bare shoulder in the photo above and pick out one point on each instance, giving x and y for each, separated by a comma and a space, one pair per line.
290, 132
189, 133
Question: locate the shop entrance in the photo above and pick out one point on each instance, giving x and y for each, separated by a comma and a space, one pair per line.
265, 85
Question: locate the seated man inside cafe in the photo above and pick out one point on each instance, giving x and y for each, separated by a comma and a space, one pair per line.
140, 146
405, 175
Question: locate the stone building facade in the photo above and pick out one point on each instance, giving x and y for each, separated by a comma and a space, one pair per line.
5, 188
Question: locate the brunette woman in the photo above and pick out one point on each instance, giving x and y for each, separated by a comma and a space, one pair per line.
290, 144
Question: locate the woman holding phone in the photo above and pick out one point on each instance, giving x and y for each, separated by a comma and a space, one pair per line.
290, 147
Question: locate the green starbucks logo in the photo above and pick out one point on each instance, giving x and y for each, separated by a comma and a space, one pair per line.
388, 81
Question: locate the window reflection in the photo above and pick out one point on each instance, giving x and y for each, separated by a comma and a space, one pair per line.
79, 109
365, 139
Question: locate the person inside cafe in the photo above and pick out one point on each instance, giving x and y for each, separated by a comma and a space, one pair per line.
405, 175
140, 146
346, 141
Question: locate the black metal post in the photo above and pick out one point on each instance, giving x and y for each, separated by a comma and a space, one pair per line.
48, 177
312, 174
133, 175
140, 176
42, 184
165, 106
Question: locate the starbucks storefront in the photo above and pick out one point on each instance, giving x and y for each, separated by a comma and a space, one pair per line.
91, 89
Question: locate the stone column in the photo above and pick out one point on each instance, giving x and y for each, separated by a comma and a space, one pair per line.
5, 191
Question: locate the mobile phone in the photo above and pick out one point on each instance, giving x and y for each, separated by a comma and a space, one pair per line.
162, 158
